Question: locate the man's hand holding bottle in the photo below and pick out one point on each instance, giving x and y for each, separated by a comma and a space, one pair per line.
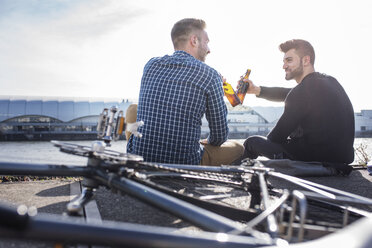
252, 89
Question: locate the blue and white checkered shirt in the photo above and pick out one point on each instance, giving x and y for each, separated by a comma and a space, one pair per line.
176, 91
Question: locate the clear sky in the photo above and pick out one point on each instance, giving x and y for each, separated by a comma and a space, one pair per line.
98, 48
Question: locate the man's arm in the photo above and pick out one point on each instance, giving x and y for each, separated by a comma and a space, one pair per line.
296, 108
277, 94
216, 113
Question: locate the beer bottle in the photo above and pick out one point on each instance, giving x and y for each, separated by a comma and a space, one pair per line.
231, 94
243, 86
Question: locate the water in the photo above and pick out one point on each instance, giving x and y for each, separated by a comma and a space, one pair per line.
45, 152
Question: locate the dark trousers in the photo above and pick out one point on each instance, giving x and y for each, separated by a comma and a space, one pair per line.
256, 146
260, 146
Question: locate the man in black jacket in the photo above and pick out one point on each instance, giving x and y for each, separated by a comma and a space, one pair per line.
318, 119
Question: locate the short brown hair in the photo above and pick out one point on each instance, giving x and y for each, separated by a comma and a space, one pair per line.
302, 47
183, 28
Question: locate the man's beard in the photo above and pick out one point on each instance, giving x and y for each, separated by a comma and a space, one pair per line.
201, 54
295, 73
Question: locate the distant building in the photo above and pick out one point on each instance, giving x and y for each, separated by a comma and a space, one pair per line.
363, 123
31, 118
244, 121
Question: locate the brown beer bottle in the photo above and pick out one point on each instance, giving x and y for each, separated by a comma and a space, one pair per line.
231, 94
243, 86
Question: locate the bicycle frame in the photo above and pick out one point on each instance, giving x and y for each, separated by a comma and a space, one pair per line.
202, 218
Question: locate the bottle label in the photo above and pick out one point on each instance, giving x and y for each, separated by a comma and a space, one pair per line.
228, 88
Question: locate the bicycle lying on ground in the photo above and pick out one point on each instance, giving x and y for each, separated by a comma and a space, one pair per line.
233, 206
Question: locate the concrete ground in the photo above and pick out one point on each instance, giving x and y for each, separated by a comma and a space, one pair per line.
358, 182
51, 196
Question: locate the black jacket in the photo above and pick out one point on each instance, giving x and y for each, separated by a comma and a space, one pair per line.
318, 120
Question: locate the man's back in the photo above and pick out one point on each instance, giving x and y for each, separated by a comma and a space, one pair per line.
176, 91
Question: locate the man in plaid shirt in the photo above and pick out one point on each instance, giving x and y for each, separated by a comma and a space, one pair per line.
176, 91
